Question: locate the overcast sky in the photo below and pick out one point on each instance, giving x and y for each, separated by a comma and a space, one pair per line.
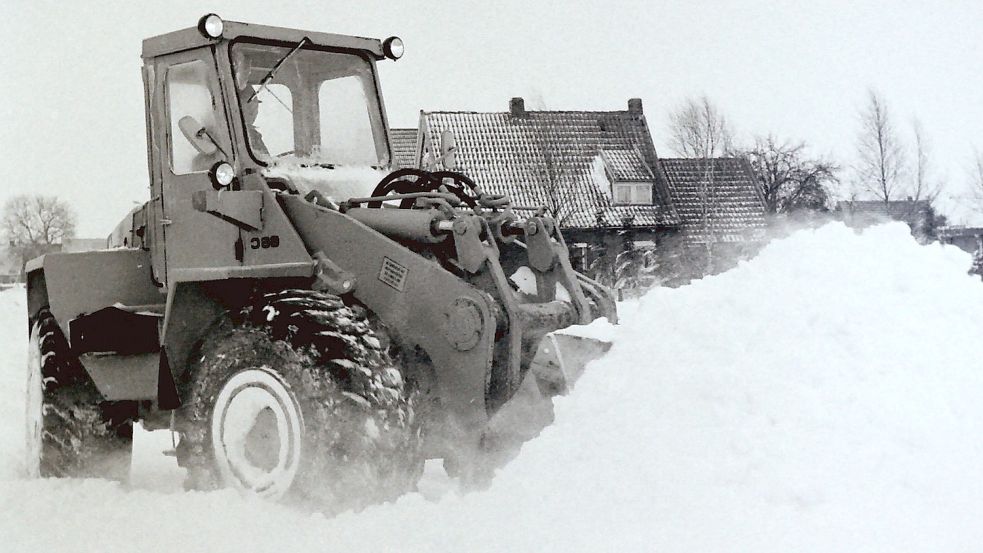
71, 99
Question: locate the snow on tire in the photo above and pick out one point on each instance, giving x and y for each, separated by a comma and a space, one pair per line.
296, 399
70, 430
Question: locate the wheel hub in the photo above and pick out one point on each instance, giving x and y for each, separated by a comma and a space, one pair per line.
257, 430
262, 443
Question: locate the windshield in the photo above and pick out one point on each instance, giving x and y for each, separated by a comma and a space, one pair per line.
318, 108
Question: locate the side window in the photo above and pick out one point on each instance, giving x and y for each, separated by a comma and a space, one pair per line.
187, 93
346, 129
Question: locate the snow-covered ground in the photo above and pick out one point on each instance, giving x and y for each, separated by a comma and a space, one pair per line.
825, 396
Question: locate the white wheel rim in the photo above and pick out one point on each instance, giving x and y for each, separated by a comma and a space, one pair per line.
34, 415
257, 429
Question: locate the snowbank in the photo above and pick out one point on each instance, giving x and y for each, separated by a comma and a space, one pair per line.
823, 397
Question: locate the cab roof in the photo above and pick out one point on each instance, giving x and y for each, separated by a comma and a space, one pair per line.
189, 38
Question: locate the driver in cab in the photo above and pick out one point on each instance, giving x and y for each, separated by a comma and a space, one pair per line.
250, 101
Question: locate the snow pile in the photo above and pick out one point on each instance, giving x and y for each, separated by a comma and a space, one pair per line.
13, 384
823, 397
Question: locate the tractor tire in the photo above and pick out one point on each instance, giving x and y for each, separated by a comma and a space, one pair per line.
295, 399
71, 431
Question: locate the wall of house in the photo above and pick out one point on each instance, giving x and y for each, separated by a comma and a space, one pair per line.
967, 243
595, 253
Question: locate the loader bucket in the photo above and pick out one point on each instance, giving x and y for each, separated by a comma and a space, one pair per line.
558, 363
561, 359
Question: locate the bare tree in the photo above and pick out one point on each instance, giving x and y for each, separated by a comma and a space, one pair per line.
788, 178
976, 179
32, 225
880, 154
557, 171
557, 168
924, 185
699, 130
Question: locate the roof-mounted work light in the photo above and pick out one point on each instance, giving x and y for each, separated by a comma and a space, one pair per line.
211, 26
392, 47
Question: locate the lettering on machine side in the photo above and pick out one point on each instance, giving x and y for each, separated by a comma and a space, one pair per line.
393, 274
264, 242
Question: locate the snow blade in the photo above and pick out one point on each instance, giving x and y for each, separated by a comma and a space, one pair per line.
561, 359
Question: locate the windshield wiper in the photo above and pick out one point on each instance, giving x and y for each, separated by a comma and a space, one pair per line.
269, 76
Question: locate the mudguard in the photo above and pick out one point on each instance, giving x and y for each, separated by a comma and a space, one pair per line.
82, 290
71, 284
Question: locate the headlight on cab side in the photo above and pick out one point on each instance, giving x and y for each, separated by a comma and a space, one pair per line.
393, 47
222, 175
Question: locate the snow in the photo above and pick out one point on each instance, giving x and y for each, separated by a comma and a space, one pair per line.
338, 184
824, 396
598, 171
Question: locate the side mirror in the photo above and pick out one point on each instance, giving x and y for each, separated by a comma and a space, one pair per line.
448, 150
197, 135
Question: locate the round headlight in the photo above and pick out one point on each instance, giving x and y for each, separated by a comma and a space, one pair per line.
211, 26
222, 175
393, 47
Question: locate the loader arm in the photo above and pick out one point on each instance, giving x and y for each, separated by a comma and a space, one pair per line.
419, 301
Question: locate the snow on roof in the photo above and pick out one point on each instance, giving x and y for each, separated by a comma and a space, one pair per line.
735, 207
403, 142
535, 155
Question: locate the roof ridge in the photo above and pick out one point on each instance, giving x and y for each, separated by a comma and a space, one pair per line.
721, 158
529, 111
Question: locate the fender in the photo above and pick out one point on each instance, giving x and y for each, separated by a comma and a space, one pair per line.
92, 295
73, 284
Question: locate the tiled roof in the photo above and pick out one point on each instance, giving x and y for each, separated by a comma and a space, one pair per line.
535, 156
735, 207
626, 165
404, 148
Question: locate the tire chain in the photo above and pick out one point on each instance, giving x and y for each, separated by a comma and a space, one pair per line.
330, 337
82, 435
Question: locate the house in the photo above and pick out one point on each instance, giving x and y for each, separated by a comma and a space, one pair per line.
596, 172
968, 239
917, 214
717, 199
83, 244
12, 265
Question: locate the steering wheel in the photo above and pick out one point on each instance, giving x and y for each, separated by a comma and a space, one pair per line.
410, 181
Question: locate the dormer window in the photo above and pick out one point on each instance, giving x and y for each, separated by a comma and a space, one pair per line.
627, 193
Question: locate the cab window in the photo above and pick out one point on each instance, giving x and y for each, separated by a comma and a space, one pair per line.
187, 94
346, 128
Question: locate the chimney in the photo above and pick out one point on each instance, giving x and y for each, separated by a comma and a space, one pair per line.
635, 106
517, 106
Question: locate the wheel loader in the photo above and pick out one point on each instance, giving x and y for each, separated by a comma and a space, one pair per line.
305, 324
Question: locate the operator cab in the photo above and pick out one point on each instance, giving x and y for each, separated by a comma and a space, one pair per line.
293, 98
239, 108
